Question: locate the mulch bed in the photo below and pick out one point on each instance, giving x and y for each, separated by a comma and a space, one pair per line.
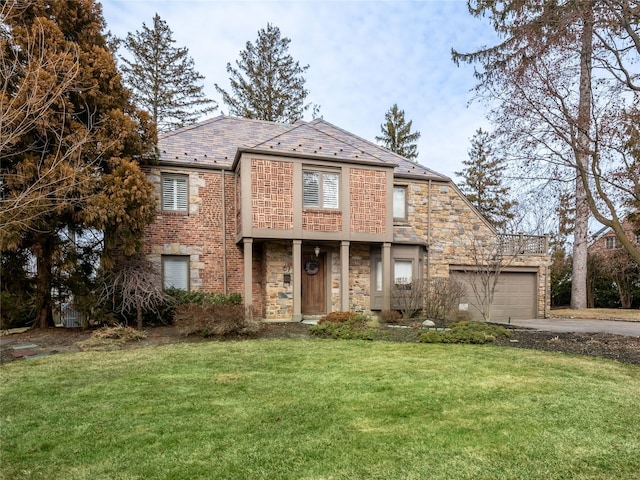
54, 340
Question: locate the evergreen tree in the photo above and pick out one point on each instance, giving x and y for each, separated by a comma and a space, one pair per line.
267, 83
163, 79
396, 134
70, 145
482, 181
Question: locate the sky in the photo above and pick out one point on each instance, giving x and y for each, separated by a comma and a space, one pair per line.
363, 57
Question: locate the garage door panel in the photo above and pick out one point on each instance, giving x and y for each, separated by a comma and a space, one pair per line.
515, 296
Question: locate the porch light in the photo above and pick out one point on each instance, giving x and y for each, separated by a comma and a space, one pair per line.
316, 251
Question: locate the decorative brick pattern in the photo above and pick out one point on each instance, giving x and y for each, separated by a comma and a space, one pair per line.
368, 198
322, 220
271, 194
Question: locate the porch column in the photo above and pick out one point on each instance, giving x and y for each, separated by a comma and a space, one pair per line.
386, 276
297, 280
248, 271
344, 276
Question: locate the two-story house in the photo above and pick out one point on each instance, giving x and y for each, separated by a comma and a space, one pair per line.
307, 218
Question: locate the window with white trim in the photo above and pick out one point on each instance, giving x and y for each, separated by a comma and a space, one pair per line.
320, 189
399, 202
402, 272
611, 243
175, 193
175, 271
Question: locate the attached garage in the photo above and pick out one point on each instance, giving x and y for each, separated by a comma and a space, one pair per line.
515, 297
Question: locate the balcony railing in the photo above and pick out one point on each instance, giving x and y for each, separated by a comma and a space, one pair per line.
523, 244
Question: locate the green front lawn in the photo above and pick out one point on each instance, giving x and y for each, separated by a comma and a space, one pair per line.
319, 409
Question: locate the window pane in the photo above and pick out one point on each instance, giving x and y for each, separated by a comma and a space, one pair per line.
379, 276
311, 189
174, 193
399, 202
176, 272
403, 271
330, 190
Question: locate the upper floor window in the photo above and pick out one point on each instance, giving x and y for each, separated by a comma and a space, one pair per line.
611, 243
320, 189
175, 190
175, 271
400, 202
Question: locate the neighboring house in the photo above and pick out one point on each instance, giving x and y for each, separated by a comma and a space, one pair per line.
605, 240
619, 266
308, 218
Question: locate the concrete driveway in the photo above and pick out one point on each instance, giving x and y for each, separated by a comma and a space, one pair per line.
631, 329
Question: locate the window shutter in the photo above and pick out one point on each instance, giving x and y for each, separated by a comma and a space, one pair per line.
176, 272
311, 189
167, 193
181, 194
330, 190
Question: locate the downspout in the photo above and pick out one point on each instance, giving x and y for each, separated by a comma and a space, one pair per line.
429, 239
224, 233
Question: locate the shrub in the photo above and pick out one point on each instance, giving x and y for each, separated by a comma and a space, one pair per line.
17, 310
215, 319
177, 297
466, 332
112, 338
355, 327
390, 316
337, 317
443, 298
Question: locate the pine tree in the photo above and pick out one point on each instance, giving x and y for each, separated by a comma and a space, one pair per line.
267, 83
163, 78
482, 181
69, 162
396, 134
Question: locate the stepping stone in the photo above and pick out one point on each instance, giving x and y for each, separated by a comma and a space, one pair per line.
23, 347
23, 353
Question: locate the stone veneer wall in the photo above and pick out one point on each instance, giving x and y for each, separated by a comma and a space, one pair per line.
454, 227
368, 192
199, 233
278, 260
360, 278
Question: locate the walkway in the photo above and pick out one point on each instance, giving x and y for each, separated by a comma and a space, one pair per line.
631, 329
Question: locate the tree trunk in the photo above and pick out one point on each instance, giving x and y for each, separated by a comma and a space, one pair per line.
44, 276
582, 153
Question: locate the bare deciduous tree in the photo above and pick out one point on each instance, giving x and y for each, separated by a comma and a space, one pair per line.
134, 286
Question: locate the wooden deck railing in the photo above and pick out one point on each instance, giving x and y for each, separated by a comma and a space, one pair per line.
521, 244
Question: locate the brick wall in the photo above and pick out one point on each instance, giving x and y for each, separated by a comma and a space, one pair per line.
368, 201
322, 220
199, 233
271, 194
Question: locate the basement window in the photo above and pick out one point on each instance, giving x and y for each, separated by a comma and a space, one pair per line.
175, 272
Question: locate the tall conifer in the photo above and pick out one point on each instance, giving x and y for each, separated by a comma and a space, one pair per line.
267, 83
397, 135
163, 78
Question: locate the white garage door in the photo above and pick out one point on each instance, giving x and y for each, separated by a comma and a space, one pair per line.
515, 297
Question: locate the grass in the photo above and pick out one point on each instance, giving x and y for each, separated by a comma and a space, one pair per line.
319, 409
597, 313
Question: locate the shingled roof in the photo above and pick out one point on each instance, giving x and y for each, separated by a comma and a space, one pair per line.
218, 141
